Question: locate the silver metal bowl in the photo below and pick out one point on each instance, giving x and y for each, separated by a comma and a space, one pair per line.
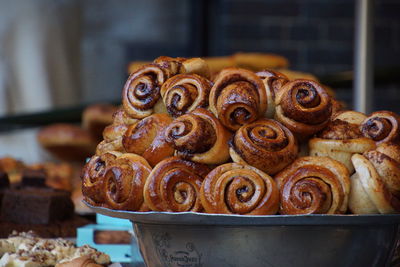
197, 239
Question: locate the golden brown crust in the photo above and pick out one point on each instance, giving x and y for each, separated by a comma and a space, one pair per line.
382, 127
238, 97
147, 138
108, 146
234, 188
142, 90
174, 185
67, 141
304, 107
92, 176
200, 137
265, 144
185, 92
123, 183
340, 130
313, 185
273, 82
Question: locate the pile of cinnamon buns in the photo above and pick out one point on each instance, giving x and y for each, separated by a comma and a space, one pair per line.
244, 143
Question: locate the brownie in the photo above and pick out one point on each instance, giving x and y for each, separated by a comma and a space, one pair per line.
33, 178
4, 184
36, 205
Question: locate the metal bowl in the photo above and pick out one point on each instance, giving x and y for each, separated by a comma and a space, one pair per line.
196, 239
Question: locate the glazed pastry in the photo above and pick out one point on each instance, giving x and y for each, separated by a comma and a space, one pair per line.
312, 185
147, 138
238, 97
119, 125
234, 188
114, 133
179, 65
382, 127
341, 139
185, 92
67, 141
96, 117
304, 107
92, 177
273, 81
174, 185
123, 183
141, 93
375, 186
259, 61
265, 144
200, 137
104, 146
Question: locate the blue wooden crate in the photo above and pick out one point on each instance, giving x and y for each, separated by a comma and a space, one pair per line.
123, 253
103, 219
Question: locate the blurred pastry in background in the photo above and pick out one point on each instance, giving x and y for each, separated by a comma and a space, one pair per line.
58, 175
13, 168
259, 61
96, 117
67, 141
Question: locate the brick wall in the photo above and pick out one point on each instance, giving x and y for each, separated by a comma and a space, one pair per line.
316, 36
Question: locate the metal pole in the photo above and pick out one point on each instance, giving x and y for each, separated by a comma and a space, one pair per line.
363, 56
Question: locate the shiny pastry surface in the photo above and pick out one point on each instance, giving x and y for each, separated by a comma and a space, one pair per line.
303, 106
174, 185
147, 138
234, 188
382, 127
265, 144
185, 92
237, 97
312, 185
200, 137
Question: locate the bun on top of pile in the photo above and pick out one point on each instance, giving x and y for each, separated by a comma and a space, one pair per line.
243, 142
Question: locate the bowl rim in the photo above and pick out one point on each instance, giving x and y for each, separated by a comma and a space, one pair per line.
196, 218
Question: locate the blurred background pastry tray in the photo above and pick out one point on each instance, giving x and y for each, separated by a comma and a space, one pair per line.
197, 239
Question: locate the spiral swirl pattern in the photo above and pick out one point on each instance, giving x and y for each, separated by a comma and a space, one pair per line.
237, 97
184, 93
382, 127
142, 91
265, 144
234, 188
200, 137
303, 106
147, 138
174, 185
123, 184
314, 185
92, 176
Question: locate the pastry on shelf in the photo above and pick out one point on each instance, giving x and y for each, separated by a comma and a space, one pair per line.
234, 188
67, 141
314, 185
341, 139
13, 168
376, 183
